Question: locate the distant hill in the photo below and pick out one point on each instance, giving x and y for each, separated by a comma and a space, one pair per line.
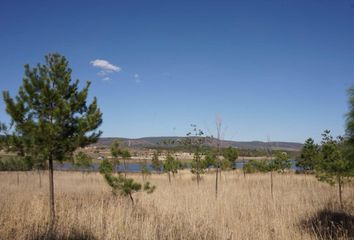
152, 142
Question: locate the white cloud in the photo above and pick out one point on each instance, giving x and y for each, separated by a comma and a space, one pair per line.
106, 68
105, 65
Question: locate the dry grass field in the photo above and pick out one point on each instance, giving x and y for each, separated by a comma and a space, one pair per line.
302, 208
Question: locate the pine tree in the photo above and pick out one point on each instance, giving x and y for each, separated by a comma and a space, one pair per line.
279, 163
350, 117
115, 152
155, 162
170, 166
144, 168
122, 185
309, 155
210, 158
194, 141
125, 154
50, 116
145, 171
82, 161
334, 165
253, 166
348, 146
198, 165
106, 167
230, 155
3, 131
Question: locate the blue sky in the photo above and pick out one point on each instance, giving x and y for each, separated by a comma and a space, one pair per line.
277, 68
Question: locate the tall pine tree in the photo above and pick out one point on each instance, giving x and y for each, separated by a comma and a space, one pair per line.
335, 165
350, 117
51, 117
309, 156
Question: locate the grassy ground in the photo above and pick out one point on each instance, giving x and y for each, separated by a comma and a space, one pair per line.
302, 208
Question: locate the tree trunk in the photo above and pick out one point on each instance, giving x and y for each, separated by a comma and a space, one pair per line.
169, 177
131, 198
125, 168
51, 194
216, 182
198, 176
243, 168
18, 178
271, 183
144, 176
40, 178
340, 191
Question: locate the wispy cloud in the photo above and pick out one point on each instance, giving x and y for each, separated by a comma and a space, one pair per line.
105, 65
136, 78
106, 68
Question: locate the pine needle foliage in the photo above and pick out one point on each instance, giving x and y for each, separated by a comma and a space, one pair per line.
194, 141
156, 164
171, 165
336, 164
309, 156
122, 185
350, 117
50, 116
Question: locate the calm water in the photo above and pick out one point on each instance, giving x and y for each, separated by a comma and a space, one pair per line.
136, 167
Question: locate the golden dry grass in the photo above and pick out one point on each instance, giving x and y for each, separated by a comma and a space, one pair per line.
244, 209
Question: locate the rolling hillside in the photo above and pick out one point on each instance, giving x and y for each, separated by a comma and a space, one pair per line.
151, 142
